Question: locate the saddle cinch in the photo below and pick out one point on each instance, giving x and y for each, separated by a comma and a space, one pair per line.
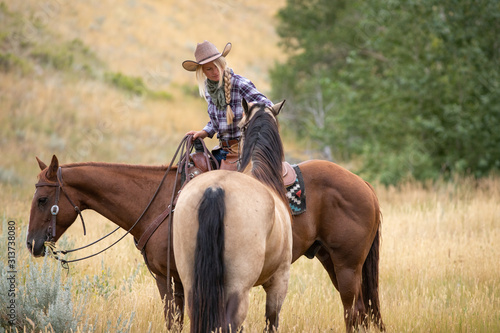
202, 161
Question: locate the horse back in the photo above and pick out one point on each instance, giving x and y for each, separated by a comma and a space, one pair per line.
257, 227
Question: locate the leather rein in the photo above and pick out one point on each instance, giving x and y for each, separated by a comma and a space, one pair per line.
185, 147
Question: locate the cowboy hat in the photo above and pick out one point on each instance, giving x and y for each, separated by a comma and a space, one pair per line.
205, 52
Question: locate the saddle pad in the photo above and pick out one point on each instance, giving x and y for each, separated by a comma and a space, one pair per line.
296, 193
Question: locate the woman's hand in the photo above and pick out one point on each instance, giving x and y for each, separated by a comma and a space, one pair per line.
198, 134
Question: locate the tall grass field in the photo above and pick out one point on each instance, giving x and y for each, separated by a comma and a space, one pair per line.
438, 272
102, 81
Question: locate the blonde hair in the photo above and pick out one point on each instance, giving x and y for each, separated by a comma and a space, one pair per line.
224, 76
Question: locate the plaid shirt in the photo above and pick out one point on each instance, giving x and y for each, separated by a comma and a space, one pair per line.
240, 88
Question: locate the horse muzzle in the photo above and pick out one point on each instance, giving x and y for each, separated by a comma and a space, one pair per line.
36, 246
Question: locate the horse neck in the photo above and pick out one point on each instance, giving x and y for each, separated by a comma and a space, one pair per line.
118, 192
269, 177
266, 154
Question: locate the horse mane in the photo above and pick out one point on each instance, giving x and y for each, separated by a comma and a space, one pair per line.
264, 149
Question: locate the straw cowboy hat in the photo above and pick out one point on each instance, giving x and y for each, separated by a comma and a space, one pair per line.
205, 52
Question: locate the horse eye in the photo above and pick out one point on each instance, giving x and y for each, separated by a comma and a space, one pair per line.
42, 201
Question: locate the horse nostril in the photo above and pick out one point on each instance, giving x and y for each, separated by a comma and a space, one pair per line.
28, 244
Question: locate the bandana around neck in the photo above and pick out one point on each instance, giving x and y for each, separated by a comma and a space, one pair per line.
217, 93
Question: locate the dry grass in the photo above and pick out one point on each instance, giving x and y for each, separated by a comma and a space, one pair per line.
439, 266
441, 256
151, 38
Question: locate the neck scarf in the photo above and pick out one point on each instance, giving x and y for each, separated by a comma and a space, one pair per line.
217, 93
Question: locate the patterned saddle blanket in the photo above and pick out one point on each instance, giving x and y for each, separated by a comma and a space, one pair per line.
296, 192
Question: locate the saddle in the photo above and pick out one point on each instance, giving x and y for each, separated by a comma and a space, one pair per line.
196, 163
201, 162
289, 174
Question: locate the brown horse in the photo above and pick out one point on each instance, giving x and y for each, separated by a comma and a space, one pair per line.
232, 231
341, 226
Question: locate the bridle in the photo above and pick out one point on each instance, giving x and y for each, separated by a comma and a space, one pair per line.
54, 210
184, 147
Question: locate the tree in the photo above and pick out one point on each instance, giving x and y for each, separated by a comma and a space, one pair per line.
410, 88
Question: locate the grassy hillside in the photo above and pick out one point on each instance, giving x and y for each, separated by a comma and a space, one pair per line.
96, 81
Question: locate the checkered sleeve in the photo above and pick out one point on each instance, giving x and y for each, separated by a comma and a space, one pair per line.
244, 88
212, 126
240, 88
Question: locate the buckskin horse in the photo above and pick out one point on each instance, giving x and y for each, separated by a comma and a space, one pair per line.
232, 231
341, 226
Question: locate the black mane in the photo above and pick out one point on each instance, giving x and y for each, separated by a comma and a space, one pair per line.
263, 147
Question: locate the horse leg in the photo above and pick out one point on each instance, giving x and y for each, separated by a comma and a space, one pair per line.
174, 303
326, 260
275, 289
178, 308
349, 285
236, 310
351, 310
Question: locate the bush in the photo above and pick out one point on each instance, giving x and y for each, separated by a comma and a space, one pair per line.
10, 62
43, 299
47, 299
131, 84
134, 85
57, 58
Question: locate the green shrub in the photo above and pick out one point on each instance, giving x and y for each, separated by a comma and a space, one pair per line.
48, 299
55, 57
131, 84
134, 85
98, 284
190, 90
43, 298
10, 62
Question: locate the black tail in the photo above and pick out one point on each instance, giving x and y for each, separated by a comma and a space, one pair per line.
370, 271
207, 297
370, 282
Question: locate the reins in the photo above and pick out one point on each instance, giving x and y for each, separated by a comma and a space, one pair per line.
185, 145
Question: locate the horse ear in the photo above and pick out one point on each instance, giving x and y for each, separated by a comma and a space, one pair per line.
276, 108
54, 165
245, 106
41, 164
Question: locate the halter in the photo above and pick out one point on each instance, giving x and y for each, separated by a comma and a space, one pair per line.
54, 210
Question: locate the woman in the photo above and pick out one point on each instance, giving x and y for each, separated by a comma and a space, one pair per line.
223, 90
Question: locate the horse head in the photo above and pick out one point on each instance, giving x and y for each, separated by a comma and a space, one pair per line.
249, 111
51, 213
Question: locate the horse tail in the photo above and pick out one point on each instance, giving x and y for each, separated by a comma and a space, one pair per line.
371, 272
207, 297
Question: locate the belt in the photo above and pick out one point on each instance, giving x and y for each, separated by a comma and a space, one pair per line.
228, 143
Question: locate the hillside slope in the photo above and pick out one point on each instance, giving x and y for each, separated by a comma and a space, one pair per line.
144, 37
102, 81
